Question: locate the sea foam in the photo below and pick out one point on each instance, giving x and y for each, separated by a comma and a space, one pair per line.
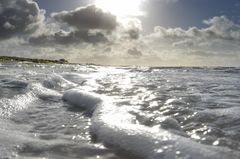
33, 92
115, 127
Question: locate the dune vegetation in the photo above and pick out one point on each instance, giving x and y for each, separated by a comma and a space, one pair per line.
21, 59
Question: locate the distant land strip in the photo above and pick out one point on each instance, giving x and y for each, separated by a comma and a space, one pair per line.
22, 59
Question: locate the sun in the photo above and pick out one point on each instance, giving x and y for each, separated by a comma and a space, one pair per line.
122, 8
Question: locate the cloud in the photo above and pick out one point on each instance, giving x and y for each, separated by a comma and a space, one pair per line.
85, 18
134, 52
218, 28
220, 38
66, 38
214, 45
18, 17
90, 35
210, 45
86, 24
132, 27
222, 28
185, 43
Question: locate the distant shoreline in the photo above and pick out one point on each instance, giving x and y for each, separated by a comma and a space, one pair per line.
31, 60
63, 61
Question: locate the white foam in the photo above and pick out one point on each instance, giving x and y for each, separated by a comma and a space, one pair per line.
78, 98
74, 77
113, 126
57, 81
19, 102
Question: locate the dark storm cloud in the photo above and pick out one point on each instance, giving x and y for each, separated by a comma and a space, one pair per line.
89, 25
85, 18
19, 17
65, 38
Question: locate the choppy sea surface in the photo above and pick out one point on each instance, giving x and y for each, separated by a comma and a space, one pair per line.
88, 112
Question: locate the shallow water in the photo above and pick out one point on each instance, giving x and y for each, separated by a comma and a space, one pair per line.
85, 111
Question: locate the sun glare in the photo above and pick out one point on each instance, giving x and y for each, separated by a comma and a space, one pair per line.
121, 8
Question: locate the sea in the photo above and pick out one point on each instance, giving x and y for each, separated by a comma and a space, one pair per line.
73, 111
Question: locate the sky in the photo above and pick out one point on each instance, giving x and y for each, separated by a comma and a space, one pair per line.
123, 32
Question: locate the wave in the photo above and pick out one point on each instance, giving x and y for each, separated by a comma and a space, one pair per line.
33, 92
56, 81
114, 126
49, 89
9, 83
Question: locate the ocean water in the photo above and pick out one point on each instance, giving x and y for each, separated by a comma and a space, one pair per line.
88, 112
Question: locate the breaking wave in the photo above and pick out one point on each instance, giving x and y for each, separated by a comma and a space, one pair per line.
114, 126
